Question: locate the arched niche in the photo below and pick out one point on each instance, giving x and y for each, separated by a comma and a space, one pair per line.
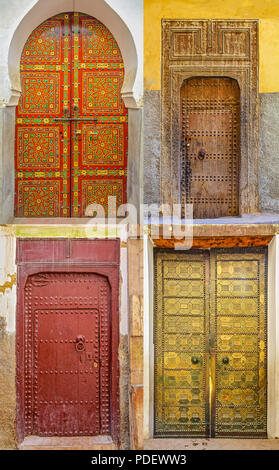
99, 9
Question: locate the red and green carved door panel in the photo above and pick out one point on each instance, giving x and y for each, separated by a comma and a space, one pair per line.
71, 133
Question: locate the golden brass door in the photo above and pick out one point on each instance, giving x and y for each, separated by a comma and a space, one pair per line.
210, 343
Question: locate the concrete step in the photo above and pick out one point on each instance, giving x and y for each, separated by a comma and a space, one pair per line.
211, 444
68, 443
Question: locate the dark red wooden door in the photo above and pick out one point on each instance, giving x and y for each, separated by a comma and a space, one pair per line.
71, 133
70, 367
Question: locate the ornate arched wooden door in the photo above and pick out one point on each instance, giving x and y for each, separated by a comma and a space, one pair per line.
71, 127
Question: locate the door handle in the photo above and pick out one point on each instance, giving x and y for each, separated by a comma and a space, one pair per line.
225, 360
194, 360
80, 340
201, 154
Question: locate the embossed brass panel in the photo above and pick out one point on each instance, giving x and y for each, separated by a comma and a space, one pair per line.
210, 342
181, 338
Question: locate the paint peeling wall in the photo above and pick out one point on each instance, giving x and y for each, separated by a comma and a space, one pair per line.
7, 339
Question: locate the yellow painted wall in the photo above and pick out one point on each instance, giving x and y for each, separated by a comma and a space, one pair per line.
266, 11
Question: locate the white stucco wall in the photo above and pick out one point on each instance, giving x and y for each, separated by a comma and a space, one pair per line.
13, 20
12, 12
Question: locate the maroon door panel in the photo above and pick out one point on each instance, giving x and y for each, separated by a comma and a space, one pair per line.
62, 249
67, 343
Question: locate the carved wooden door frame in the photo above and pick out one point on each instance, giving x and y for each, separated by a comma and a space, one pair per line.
210, 54
73, 256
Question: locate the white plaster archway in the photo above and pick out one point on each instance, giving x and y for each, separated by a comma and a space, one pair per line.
99, 9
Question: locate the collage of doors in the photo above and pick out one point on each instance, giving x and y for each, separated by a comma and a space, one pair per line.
145, 266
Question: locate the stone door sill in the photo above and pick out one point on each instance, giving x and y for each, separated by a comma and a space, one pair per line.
68, 443
210, 444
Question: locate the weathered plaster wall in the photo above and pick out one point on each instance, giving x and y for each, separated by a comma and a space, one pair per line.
7, 388
266, 11
272, 343
135, 272
7, 340
152, 146
269, 157
7, 133
12, 13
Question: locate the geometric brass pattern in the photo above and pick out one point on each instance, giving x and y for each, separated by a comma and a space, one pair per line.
210, 342
240, 338
181, 336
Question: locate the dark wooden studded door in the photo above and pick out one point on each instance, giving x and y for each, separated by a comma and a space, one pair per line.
71, 128
210, 343
67, 363
210, 145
